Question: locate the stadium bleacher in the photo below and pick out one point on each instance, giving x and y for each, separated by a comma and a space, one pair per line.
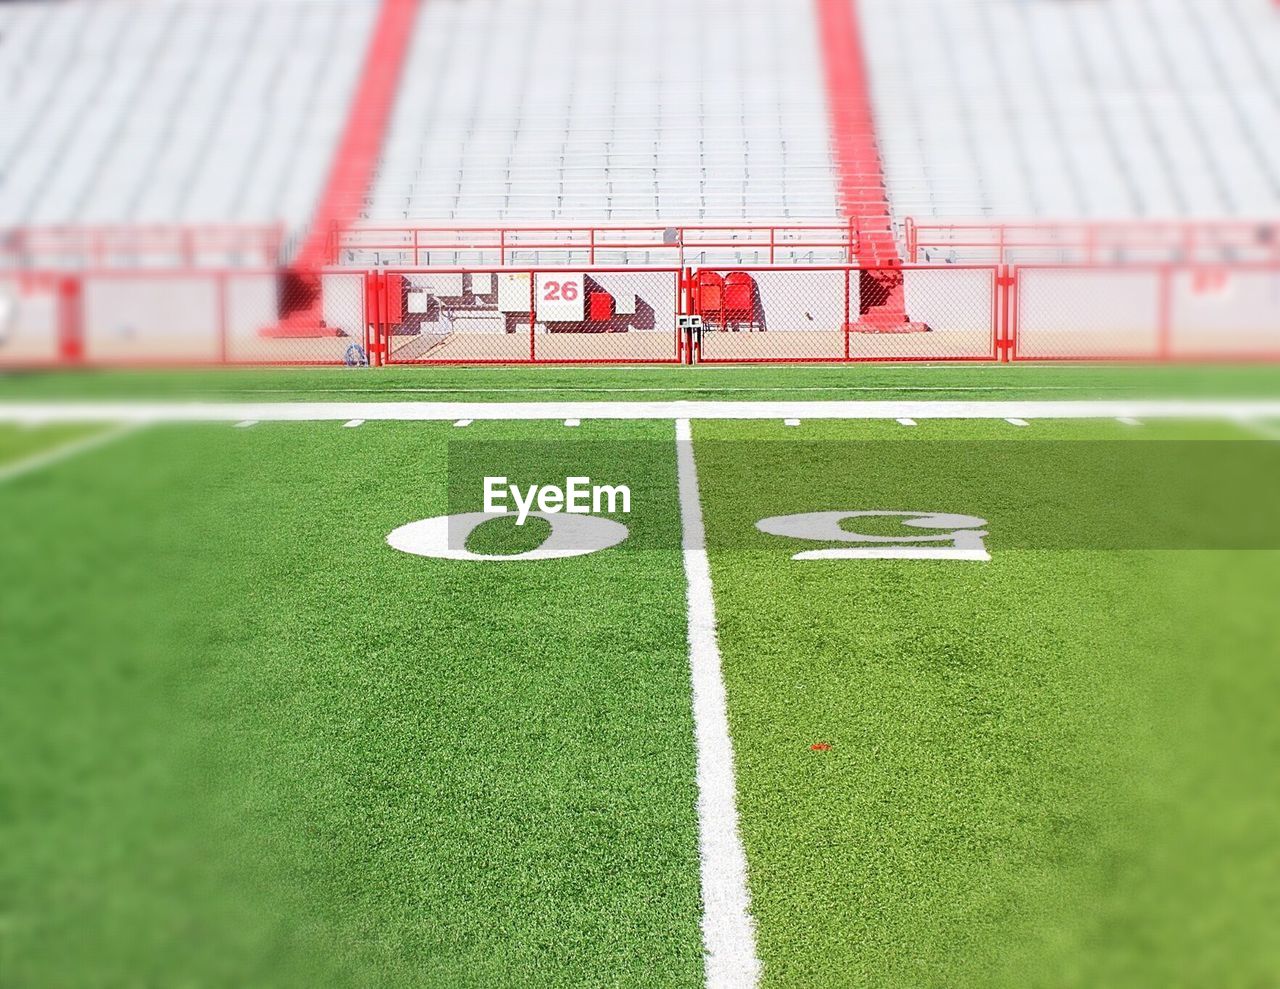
173, 111
575, 111
1009, 109
276, 138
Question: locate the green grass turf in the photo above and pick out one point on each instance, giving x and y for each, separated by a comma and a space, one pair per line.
246, 743
17, 443
857, 381
1053, 769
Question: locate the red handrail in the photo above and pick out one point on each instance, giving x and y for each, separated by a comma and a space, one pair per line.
1102, 240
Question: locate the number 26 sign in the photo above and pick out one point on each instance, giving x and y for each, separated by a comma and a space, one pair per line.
559, 296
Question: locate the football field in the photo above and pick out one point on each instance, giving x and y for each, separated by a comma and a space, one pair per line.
892, 701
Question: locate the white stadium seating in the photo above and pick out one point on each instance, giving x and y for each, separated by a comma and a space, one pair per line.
583, 111
173, 111
675, 111
1108, 109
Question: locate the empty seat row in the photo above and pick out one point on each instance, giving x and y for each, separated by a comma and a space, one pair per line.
572, 110
174, 111
1014, 109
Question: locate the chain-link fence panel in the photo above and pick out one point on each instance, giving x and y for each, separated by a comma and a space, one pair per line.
151, 317
627, 315
162, 317
315, 318
29, 319
947, 313
844, 313
1070, 313
509, 316
1217, 313
773, 314
456, 316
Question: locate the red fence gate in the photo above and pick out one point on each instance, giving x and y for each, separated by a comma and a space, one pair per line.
846, 313
524, 316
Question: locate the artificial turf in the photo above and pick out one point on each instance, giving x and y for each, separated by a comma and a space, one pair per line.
881, 382
20, 442
1051, 769
247, 743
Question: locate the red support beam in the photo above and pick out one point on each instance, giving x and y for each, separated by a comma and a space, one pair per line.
354, 162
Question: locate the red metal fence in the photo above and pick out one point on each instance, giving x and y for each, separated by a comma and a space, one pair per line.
522, 316
566, 314
149, 247
1094, 242
175, 317
1157, 312
828, 314
652, 244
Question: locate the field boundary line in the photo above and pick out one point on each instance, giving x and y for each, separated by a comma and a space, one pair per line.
160, 411
728, 931
65, 451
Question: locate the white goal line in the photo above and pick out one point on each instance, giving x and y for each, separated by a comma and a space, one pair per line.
35, 413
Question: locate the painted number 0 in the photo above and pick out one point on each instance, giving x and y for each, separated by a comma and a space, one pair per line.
561, 291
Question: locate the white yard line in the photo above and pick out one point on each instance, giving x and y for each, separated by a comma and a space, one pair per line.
904, 421
47, 458
728, 931
1017, 421
247, 424
353, 423
791, 422
125, 411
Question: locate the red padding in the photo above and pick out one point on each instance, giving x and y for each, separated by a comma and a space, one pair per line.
601, 307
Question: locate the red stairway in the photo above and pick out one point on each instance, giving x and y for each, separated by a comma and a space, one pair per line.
351, 172
860, 177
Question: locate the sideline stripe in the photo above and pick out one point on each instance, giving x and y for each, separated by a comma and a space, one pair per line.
728, 932
46, 412
47, 458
